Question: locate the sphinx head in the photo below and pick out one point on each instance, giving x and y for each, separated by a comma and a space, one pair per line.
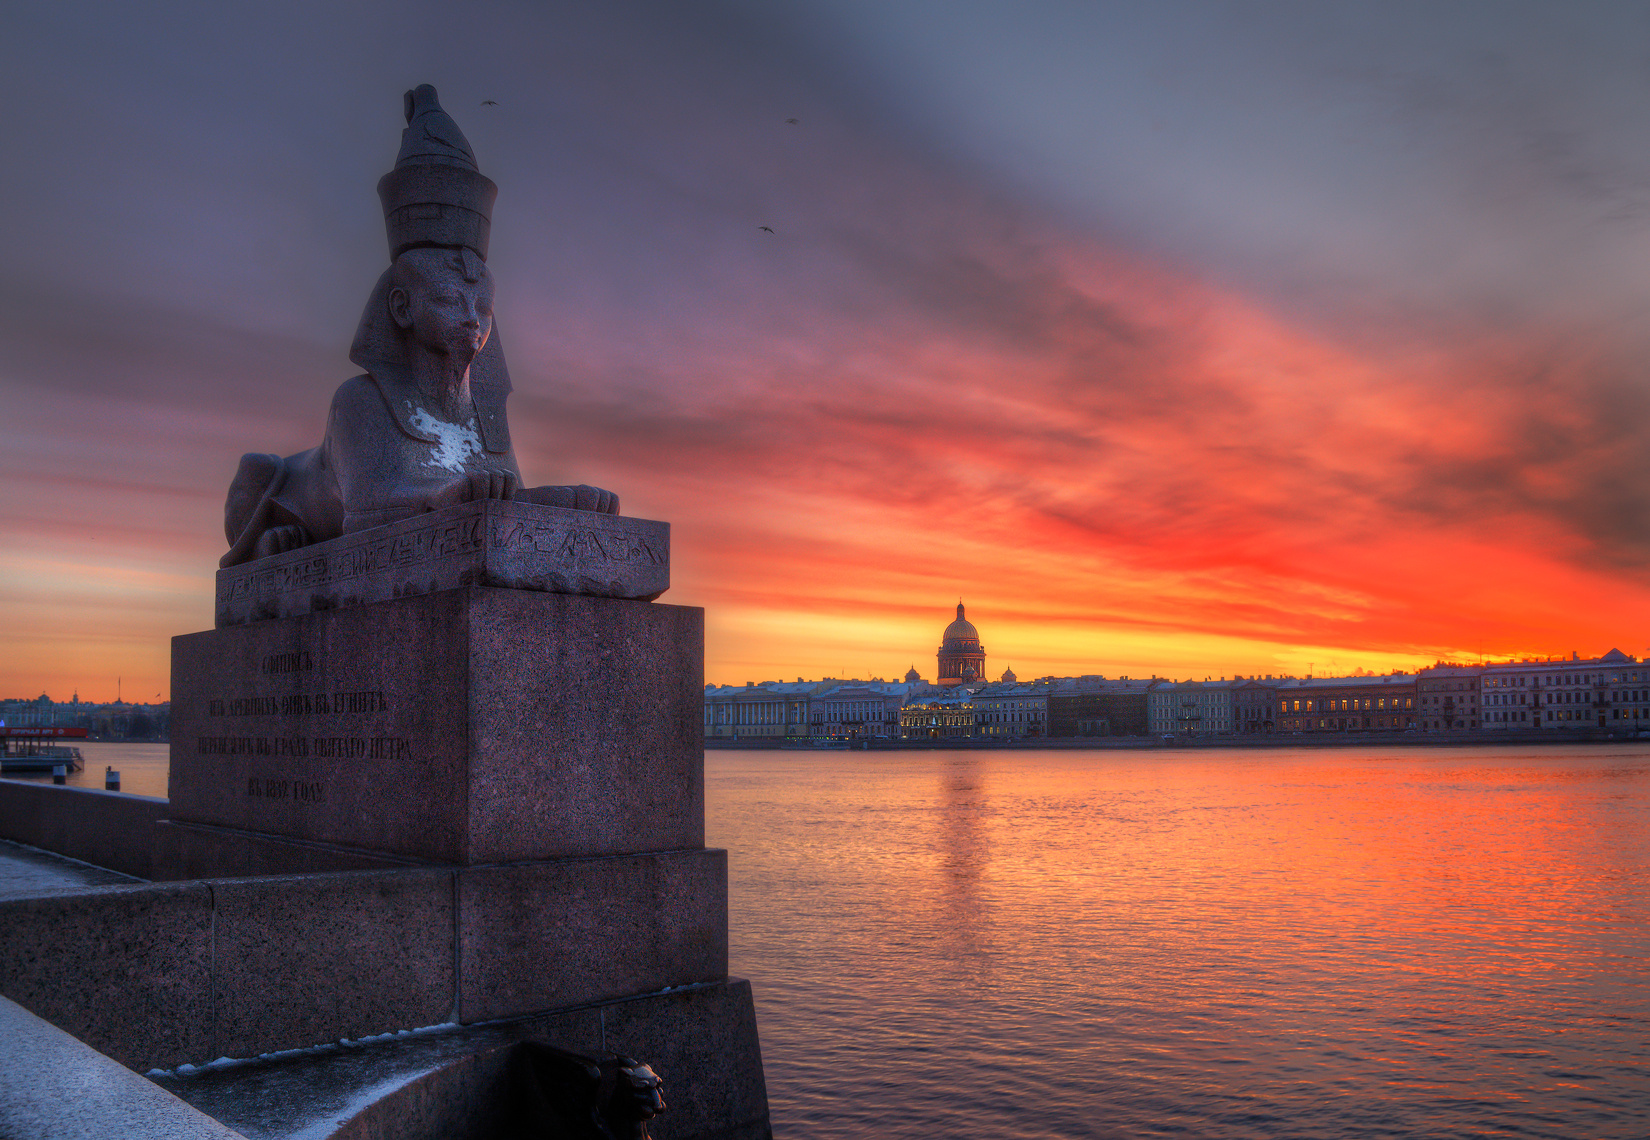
442, 301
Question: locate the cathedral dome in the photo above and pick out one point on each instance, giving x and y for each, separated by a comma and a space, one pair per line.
961, 656
961, 632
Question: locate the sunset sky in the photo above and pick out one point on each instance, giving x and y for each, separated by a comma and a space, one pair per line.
1177, 338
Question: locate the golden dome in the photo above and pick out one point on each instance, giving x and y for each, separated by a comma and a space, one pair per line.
960, 634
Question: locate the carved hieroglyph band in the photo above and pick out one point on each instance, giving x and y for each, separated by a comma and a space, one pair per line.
490, 543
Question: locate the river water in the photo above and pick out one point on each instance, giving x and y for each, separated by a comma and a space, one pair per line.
142, 767
1414, 942
1358, 942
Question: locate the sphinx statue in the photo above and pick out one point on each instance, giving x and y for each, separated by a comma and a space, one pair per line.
424, 426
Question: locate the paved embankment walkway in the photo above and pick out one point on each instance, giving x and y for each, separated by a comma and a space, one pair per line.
27, 871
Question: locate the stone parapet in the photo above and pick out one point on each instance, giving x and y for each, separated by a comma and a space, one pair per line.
308, 959
128, 970
544, 935
492, 542
107, 829
164, 974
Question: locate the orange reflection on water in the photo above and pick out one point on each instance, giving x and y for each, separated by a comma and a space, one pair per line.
1434, 941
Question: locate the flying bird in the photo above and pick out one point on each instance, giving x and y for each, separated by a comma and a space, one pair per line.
489, 102
793, 122
769, 229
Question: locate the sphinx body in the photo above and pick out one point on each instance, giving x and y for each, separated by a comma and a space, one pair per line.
424, 426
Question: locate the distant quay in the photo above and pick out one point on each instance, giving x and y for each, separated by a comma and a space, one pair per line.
1190, 743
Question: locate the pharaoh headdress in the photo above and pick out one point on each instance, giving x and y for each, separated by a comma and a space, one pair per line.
435, 198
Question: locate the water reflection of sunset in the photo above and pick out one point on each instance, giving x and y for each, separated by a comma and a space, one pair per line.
1355, 938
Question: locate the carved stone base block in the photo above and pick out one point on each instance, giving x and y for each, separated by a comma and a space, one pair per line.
466, 726
512, 545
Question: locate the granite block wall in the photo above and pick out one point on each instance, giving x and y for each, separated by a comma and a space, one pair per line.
106, 829
543, 935
125, 969
314, 958
168, 973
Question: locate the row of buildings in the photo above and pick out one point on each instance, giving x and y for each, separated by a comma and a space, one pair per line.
111, 720
1609, 692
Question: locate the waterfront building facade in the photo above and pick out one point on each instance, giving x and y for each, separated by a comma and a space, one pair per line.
1447, 697
769, 710
1254, 705
776, 711
41, 712
1611, 692
1194, 708
1509, 691
113, 720
1346, 704
1011, 711
936, 716
853, 710
1094, 706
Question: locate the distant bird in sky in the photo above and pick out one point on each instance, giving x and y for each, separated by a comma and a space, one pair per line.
489, 102
769, 229
793, 122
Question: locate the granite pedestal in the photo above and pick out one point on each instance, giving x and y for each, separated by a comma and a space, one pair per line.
424, 781
473, 725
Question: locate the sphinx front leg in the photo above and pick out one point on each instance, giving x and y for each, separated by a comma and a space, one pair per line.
491, 483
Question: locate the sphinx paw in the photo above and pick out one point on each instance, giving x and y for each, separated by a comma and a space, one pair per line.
280, 539
587, 498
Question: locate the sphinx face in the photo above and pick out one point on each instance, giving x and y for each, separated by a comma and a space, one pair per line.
444, 310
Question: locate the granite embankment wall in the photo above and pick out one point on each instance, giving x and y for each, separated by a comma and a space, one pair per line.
107, 829
156, 975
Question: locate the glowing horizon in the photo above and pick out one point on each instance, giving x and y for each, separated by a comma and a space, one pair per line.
1332, 399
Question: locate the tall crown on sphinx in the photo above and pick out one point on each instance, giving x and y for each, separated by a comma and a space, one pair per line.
436, 196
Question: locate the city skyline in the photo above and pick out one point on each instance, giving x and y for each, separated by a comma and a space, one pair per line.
1198, 339
930, 663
